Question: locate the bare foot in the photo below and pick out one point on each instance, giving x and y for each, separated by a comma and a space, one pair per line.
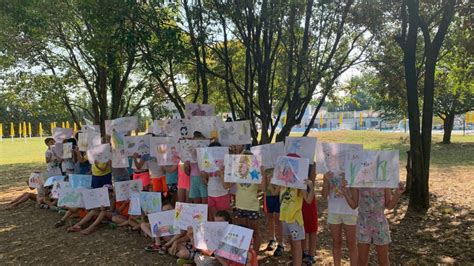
87, 231
74, 229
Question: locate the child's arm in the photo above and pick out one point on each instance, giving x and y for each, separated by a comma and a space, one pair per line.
351, 195
262, 184
327, 176
187, 167
309, 196
123, 206
392, 201
138, 163
220, 174
204, 177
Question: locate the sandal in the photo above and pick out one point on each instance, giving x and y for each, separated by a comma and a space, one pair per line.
278, 251
271, 245
153, 248
59, 223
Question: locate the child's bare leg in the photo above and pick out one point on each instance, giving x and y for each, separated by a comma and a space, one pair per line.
382, 254
351, 242
182, 253
297, 252
145, 227
278, 228
271, 225
363, 250
253, 224
312, 239
336, 234
97, 221
120, 220
66, 216
133, 223
20, 199
86, 219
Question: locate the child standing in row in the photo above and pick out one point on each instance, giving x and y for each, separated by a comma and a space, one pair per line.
272, 209
372, 225
310, 219
198, 190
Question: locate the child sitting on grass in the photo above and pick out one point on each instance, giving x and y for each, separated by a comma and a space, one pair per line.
41, 198
146, 229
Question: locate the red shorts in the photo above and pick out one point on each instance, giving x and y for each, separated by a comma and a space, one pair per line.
221, 203
310, 216
184, 181
144, 177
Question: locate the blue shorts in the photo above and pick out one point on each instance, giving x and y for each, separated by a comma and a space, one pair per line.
100, 181
198, 189
273, 204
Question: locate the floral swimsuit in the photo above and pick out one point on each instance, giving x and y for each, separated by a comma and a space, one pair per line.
372, 225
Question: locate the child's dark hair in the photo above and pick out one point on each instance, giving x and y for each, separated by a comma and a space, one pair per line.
215, 144
225, 215
167, 203
198, 134
46, 140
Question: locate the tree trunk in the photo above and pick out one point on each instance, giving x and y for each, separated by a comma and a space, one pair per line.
448, 124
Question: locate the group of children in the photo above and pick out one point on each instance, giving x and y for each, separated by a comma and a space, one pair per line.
289, 212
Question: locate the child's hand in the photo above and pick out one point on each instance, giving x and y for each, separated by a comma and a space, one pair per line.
310, 184
327, 176
345, 190
135, 155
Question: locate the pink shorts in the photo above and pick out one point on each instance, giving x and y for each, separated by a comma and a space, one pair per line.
144, 177
184, 181
221, 203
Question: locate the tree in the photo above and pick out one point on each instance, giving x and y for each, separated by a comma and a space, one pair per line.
94, 43
420, 133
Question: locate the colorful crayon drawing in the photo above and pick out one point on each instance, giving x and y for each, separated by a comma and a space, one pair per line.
269, 153
188, 214
331, 156
235, 133
100, 153
80, 181
50, 181
335, 187
178, 128
162, 223
82, 141
211, 159
35, 180
60, 134
166, 150
122, 125
70, 197
150, 202
124, 189
305, 147
235, 243
196, 109
374, 169
207, 235
242, 169
67, 150
207, 125
290, 172
58, 150
96, 198
188, 149
57, 186
119, 154
139, 145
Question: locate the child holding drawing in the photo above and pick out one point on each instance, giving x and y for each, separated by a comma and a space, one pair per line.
141, 170
291, 215
310, 219
197, 190
340, 217
146, 229
52, 160
101, 174
218, 192
247, 207
272, 210
372, 225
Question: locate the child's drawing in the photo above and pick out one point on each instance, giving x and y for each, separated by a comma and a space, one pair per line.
166, 150
290, 172
207, 125
178, 128
208, 235
138, 144
96, 198
119, 154
162, 223
67, 150
269, 153
57, 186
88, 139
58, 150
235, 243
150, 202
124, 189
82, 141
235, 133
35, 180
331, 156
196, 109
100, 153
242, 169
122, 125
71, 197
305, 147
210, 159
189, 214
135, 207
60, 134
188, 149
372, 169
80, 181
50, 181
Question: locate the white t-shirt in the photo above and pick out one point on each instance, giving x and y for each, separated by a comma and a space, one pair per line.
336, 202
215, 187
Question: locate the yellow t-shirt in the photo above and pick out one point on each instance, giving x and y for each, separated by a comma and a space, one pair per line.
246, 197
97, 172
291, 205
